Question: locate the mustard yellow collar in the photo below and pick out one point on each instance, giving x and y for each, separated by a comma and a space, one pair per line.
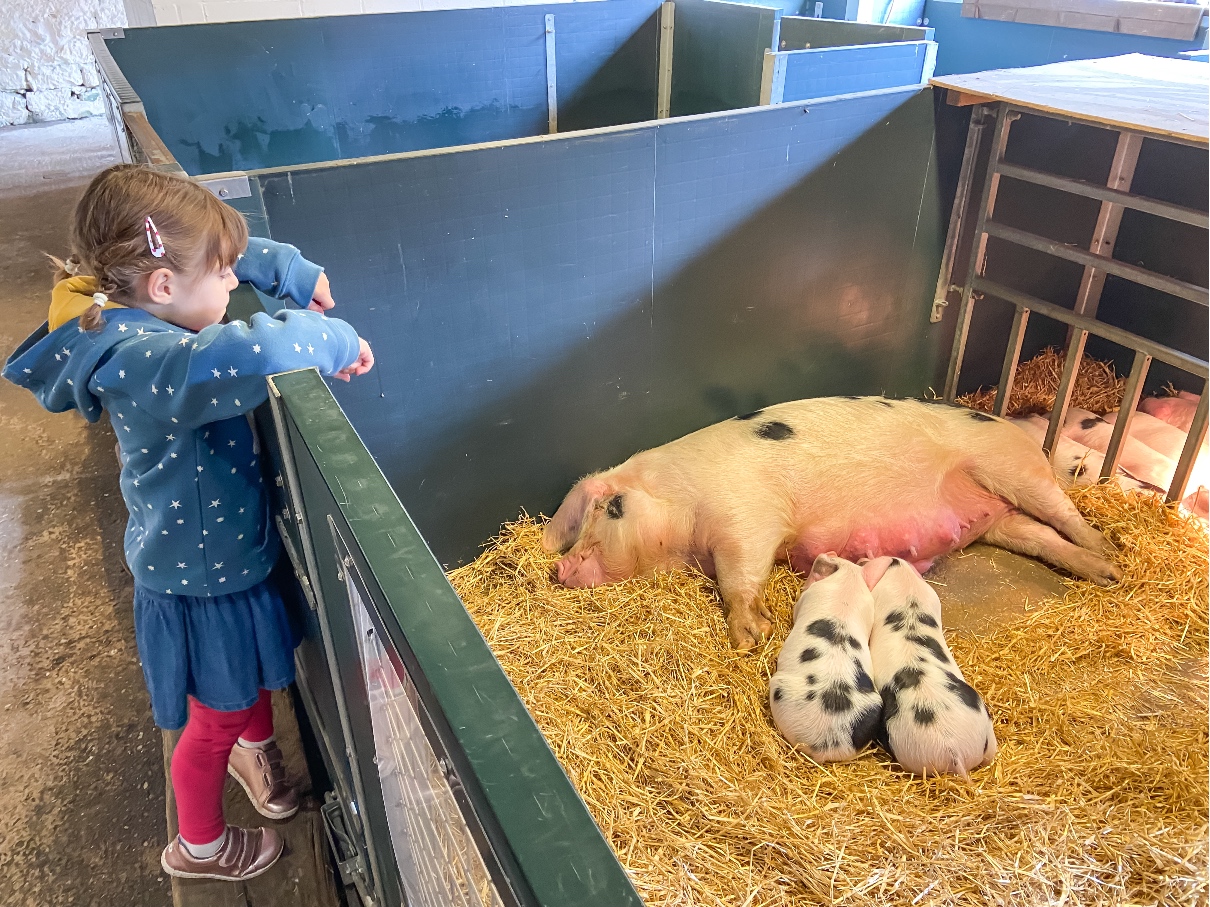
71, 298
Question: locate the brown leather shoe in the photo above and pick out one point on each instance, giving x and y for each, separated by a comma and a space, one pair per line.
261, 772
245, 854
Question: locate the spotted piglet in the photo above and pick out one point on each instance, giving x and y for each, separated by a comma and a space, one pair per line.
933, 721
822, 695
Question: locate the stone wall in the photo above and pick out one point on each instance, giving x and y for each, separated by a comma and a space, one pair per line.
46, 69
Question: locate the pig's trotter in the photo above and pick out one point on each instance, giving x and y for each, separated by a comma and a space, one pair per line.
747, 628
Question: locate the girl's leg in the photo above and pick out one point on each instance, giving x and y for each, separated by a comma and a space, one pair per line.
259, 729
199, 769
256, 763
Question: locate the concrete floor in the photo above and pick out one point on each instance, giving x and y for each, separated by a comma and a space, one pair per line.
82, 821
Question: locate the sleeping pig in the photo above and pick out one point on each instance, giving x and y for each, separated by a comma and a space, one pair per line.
863, 477
822, 696
1176, 411
933, 722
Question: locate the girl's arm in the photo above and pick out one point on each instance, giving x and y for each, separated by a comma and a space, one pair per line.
220, 372
279, 270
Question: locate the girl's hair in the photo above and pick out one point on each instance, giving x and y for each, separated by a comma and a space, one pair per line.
109, 238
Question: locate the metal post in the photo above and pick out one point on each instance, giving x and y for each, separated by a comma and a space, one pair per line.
1105, 234
1193, 444
1007, 374
552, 103
978, 255
974, 139
1071, 368
664, 91
1130, 399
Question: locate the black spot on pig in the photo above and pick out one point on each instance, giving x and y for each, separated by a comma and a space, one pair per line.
881, 734
865, 727
905, 679
752, 415
810, 697
963, 691
775, 431
986, 743
896, 620
808, 654
777, 694
853, 643
896, 562
811, 679
884, 402
1091, 422
924, 715
614, 508
927, 619
850, 397
835, 698
861, 680
827, 629
981, 417
1077, 470
932, 644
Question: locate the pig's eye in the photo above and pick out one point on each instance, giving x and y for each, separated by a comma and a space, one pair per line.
614, 508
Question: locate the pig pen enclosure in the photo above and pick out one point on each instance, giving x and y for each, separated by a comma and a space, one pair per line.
571, 232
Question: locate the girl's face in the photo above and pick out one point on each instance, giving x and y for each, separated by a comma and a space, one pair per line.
190, 301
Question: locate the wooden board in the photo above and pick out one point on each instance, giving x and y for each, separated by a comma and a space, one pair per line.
1153, 95
303, 874
1128, 17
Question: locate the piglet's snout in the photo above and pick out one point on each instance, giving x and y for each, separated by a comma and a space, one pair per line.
577, 571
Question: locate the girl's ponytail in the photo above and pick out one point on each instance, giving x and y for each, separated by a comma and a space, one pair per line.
91, 320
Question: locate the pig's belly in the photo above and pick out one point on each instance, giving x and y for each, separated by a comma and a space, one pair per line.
919, 537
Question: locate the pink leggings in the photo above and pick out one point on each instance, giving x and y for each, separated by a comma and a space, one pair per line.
199, 763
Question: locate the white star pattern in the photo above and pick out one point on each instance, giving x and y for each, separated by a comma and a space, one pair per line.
121, 373
200, 469
154, 389
218, 566
163, 532
173, 455
141, 332
136, 483
180, 522
181, 564
149, 354
310, 349
297, 348
159, 465
122, 328
215, 502
127, 427
184, 582
176, 505
237, 403
143, 449
216, 373
241, 510
240, 538
232, 372
246, 572
66, 351
184, 341
230, 443
169, 389
220, 519
214, 401
222, 579
170, 438
325, 335
256, 347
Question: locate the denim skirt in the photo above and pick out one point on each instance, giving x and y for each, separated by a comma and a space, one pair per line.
221, 650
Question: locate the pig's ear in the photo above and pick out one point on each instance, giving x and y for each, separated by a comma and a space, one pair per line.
565, 526
825, 565
872, 570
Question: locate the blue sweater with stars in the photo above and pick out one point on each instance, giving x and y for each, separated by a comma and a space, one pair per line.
199, 511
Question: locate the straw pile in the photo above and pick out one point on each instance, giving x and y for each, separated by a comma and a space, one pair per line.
1097, 389
1098, 795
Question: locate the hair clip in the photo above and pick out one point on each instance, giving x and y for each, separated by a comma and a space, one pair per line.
154, 243
100, 299
71, 267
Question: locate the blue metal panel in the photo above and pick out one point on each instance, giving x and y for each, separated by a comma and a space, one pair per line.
248, 95
973, 45
863, 67
546, 308
718, 55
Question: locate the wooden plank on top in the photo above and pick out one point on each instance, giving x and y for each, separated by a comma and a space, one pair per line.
1153, 95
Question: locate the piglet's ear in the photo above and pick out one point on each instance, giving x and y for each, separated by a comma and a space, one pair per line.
872, 570
565, 526
825, 565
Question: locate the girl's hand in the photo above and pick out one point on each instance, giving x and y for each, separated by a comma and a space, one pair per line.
321, 299
365, 362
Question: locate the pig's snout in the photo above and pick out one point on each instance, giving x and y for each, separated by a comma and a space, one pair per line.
579, 571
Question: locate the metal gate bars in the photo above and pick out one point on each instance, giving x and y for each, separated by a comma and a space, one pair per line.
1098, 262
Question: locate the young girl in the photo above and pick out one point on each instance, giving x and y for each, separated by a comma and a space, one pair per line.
136, 329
